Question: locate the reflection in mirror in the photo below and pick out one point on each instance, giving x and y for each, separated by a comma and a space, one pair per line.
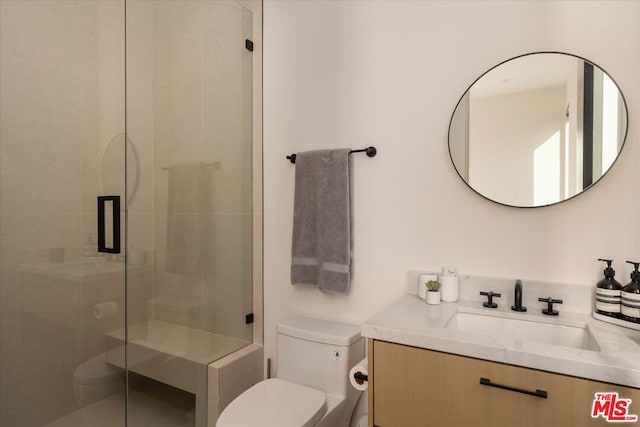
113, 164
537, 129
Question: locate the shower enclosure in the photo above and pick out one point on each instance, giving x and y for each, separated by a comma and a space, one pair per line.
130, 122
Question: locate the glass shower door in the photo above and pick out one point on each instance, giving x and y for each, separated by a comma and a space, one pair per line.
61, 127
148, 103
189, 115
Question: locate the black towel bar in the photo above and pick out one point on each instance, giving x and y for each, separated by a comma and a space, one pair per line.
371, 152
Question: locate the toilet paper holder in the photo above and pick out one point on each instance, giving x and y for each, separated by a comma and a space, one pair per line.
360, 377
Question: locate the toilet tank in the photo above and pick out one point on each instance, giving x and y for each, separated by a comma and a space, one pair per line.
318, 353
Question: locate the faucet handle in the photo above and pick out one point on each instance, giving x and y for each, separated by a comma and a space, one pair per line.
549, 311
490, 295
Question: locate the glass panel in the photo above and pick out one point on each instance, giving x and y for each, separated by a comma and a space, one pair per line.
62, 101
189, 111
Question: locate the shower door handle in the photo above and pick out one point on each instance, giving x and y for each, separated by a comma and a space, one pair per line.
109, 231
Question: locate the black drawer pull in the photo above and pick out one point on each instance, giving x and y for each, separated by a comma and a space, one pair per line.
537, 393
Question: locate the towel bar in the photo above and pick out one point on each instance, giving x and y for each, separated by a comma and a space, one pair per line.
371, 152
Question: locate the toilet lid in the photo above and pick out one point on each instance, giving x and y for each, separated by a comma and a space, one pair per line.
275, 403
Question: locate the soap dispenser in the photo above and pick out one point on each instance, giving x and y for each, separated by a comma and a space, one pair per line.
608, 292
630, 304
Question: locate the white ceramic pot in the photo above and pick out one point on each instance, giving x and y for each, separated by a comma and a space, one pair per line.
433, 297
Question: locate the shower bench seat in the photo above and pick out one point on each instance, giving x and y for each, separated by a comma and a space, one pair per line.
172, 354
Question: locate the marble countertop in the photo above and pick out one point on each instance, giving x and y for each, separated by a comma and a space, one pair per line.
411, 321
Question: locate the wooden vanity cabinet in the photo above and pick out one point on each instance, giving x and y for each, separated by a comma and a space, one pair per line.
414, 387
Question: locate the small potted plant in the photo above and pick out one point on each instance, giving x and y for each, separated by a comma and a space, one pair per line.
433, 292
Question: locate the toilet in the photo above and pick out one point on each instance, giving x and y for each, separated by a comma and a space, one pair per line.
312, 386
94, 380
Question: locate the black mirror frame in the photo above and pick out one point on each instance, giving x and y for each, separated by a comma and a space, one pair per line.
624, 140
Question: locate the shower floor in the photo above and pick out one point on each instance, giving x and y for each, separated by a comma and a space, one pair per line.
150, 404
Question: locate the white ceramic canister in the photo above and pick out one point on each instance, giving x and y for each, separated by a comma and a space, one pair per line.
449, 285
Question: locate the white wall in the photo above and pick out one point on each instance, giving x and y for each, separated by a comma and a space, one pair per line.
389, 74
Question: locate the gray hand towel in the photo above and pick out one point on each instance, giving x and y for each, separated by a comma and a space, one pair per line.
321, 250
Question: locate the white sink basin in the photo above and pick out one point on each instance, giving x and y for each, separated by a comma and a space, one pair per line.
525, 330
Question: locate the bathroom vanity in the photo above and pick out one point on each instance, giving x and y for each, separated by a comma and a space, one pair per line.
459, 364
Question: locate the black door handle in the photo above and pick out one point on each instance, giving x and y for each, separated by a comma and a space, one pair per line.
538, 393
114, 208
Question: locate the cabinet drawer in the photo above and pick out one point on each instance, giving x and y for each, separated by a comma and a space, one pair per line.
416, 387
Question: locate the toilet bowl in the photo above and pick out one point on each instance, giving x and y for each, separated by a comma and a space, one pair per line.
312, 385
94, 380
275, 403
359, 417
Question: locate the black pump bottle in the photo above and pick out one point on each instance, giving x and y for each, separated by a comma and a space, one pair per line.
631, 296
608, 293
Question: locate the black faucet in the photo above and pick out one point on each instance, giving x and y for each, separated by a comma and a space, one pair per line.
518, 298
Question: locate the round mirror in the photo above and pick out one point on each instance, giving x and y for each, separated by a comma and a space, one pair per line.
538, 129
